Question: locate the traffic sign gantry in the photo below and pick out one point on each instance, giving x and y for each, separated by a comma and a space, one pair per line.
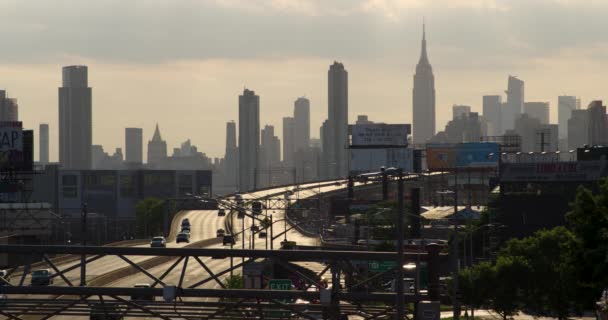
381, 266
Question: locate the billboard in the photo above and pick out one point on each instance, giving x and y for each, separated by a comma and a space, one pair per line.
16, 147
370, 160
379, 134
462, 155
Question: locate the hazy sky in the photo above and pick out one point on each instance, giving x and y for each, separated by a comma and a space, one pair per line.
183, 63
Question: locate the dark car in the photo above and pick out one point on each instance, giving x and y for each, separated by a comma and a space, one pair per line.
158, 242
185, 229
185, 223
228, 239
220, 233
182, 237
41, 277
142, 297
221, 213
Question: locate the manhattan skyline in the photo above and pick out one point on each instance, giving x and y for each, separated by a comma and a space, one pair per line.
191, 93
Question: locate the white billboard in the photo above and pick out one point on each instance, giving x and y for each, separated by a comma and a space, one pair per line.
11, 136
379, 134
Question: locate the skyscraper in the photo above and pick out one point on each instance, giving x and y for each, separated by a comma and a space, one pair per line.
249, 138
423, 97
75, 119
578, 126
270, 149
9, 109
231, 160
598, 125
538, 110
44, 143
301, 118
288, 141
157, 149
565, 106
460, 110
515, 103
134, 145
492, 106
334, 152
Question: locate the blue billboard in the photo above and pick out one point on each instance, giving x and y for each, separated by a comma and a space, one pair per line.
477, 154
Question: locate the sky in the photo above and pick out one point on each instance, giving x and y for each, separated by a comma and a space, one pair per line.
182, 64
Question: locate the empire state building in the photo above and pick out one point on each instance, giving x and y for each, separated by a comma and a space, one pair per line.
423, 98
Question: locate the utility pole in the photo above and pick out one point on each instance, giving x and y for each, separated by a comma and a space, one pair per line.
400, 231
83, 266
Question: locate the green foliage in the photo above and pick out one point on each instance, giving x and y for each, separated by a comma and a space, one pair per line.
588, 219
149, 214
476, 284
234, 282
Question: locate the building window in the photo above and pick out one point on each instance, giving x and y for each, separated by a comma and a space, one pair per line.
69, 186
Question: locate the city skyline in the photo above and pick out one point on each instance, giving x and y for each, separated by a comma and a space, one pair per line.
131, 89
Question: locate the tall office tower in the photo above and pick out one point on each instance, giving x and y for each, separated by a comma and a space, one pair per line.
134, 149
423, 98
460, 110
288, 141
231, 157
301, 118
270, 149
538, 110
546, 138
526, 127
157, 149
598, 126
43, 154
492, 106
578, 129
75, 119
334, 153
9, 109
565, 106
249, 138
515, 103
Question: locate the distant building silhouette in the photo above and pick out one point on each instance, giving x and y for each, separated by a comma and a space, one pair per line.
134, 146
9, 109
526, 127
301, 118
423, 99
538, 110
492, 106
469, 127
289, 137
460, 110
75, 119
363, 119
249, 138
43, 134
335, 135
546, 138
565, 106
231, 156
515, 103
578, 129
598, 124
157, 149
270, 148
186, 157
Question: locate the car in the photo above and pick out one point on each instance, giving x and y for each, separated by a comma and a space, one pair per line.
220, 233
185, 229
4, 278
41, 277
185, 223
158, 242
182, 237
142, 297
221, 213
228, 239
255, 228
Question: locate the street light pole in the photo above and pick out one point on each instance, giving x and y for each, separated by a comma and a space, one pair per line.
400, 216
83, 265
456, 307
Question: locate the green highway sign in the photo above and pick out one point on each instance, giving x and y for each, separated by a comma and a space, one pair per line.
381, 266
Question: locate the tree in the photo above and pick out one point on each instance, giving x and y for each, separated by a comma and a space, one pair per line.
588, 219
544, 270
476, 284
149, 214
505, 293
234, 281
